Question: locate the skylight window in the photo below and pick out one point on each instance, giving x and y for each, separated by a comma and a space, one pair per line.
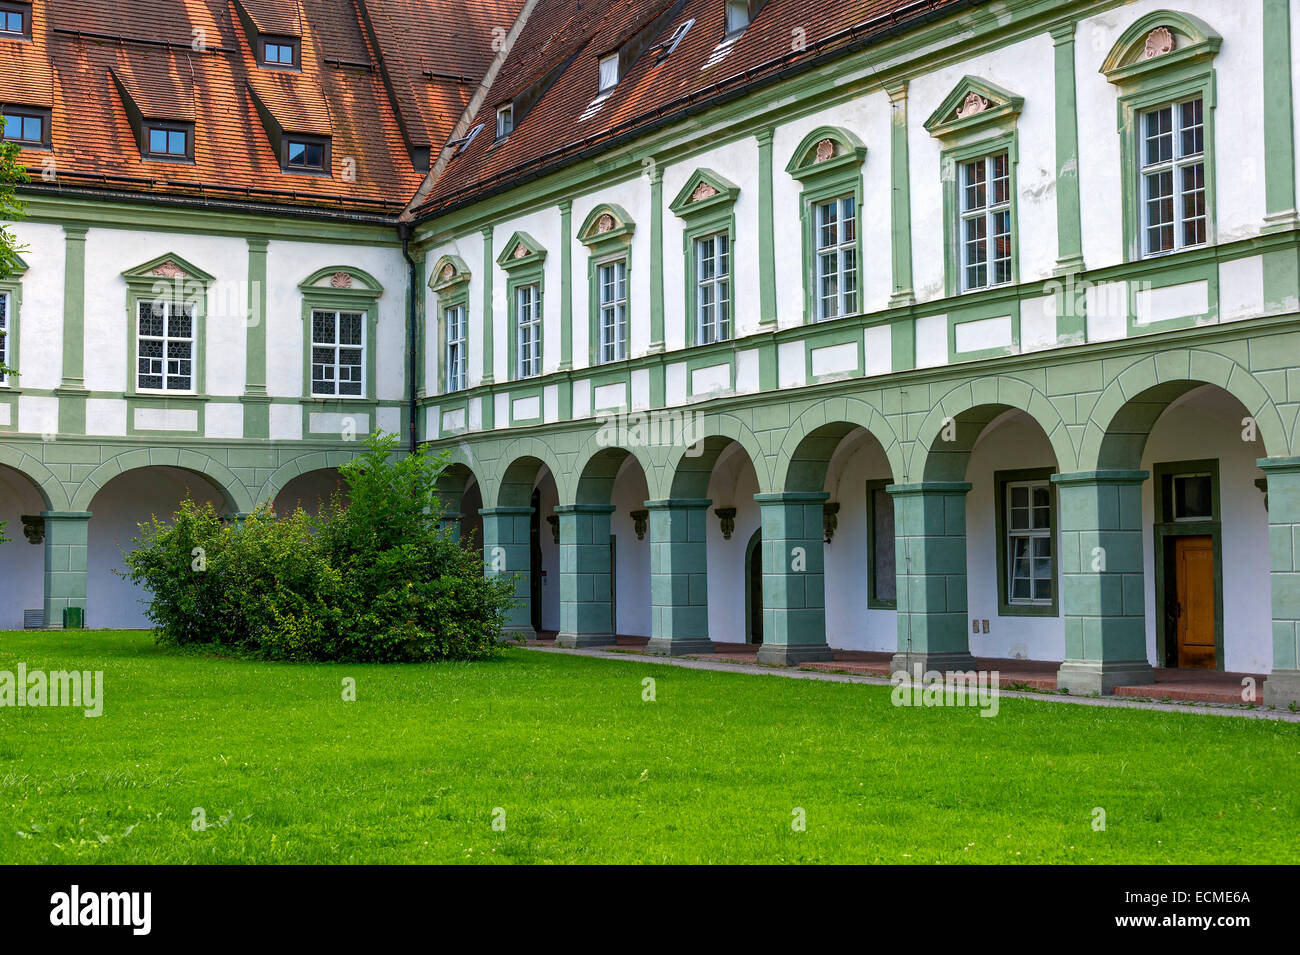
305, 155
608, 72
29, 127
666, 48
15, 20
505, 120
737, 16
279, 52
168, 141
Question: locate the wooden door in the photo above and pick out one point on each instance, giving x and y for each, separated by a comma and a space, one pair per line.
1194, 573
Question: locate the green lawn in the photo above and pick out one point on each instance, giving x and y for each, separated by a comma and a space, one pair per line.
585, 771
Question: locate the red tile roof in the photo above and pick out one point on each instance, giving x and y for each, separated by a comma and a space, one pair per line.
554, 132
362, 82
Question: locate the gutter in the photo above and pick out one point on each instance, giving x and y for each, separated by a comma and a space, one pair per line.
405, 230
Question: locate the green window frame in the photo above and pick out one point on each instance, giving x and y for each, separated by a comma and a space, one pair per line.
342, 289
876, 600
828, 165
607, 233
1007, 486
706, 206
449, 283
1163, 60
523, 259
170, 283
11, 295
976, 126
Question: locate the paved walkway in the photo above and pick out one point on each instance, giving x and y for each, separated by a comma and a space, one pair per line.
1207, 692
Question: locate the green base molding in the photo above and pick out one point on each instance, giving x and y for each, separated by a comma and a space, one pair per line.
580, 641
935, 662
1282, 689
1088, 677
517, 635
793, 654
678, 646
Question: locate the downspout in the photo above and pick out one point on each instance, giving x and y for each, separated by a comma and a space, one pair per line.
404, 230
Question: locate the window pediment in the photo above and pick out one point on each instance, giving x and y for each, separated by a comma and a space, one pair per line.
705, 191
168, 269
827, 149
1160, 42
606, 227
448, 274
521, 251
973, 105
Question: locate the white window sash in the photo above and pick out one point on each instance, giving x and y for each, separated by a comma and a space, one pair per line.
843, 301
1029, 534
336, 347
166, 339
1177, 166
712, 290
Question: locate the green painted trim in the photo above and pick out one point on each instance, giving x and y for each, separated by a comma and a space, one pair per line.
717, 218
12, 285
900, 199
616, 238
1207, 273
1000, 111
370, 285
605, 248
766, 232
521, 252
1279, 119
1165, 529
1069, 217
755, 540
996, 138
656, 259
832, 178
489, 323
519, 277
452, 296
873, 601
256, 413
1195, 45
72, 402
338, 299
1000, 481
990, 304
566, 296
190, 288
149, 401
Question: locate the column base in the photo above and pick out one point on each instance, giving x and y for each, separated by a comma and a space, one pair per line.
580, 641
793, 654
1282, 689
945, 661
678, 646
517, 635
1100, 677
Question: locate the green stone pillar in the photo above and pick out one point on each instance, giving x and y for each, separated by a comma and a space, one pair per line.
256, 401
489, 320
794, 594
679, 577
566, 299
586, 612
72, 390
1102, 582
766, 233
930, 553
507, 550
900, 198
1069, 228
656, 258
1282, 688
1279, 120
66, 543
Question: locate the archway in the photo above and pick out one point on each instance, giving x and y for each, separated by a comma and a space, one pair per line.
311, 491
22, 557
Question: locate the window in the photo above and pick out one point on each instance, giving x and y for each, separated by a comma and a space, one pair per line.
737, 16
608, 72
528, 330
4, 336
14, 20
713, 288
167, 141
1028, 521
985, 228
1173, 177
505, 120
279, 52
666, 48
165, 346
882, 592
304, 154
1193, 497
22, 126
612, 283
837, 258
454, 317
337, 349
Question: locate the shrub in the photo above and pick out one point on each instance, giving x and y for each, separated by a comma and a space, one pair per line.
373, 578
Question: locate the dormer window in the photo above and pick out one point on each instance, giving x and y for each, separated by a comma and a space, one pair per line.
666, 48
737, 16
169, 141
505, 120
31, 127
608, 72
306, 154
15, 21
279, 52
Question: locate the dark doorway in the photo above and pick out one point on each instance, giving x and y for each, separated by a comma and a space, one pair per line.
754, 587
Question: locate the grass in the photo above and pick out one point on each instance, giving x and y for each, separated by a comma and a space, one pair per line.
586, 771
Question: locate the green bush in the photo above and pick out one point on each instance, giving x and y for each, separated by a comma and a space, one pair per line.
373, 578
